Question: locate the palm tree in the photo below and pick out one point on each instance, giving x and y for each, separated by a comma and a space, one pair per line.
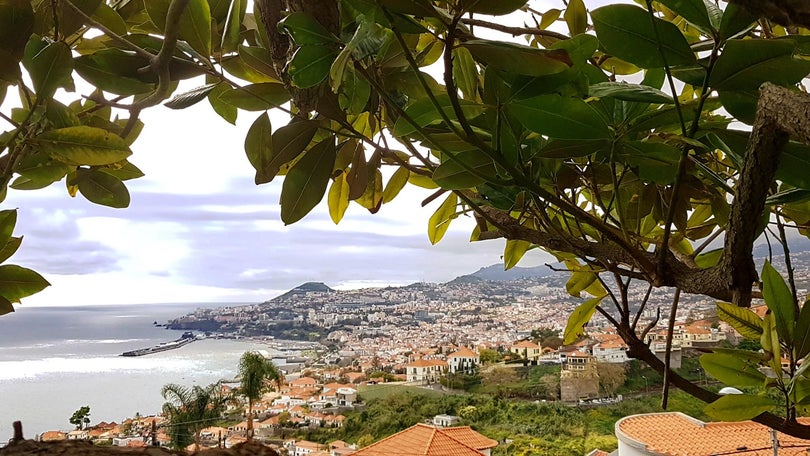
190, 410
257, 374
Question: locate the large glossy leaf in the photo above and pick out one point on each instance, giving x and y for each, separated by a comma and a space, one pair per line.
305, 183
110, 18
513, 252
69, 20
338, 198
802, 343
260, 60
17, 282
49, 66
305, 29
231, 30
195, 22
627, 32
745, 321
572, 148
656, 162
10, 248
423, 112
746, 64
560, 117
739, 407
490, 7
16, 26
354, 92
422, 8
519, 59
8, 219
455, 174
696, 12
102, 188
578, 319
83, 146
395, 184
225, 110
732, 370
257, 97
736, 19
576, 17
358, 176
630, 92
310, 65
190, 98
287, 143
779, 300
5, 306
113, 70
258, 147
465, 72
440, 220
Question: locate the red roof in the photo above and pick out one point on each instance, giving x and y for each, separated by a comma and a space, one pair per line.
674, 433
424, 440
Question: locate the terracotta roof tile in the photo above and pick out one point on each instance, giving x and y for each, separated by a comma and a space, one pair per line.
424, 440
463, 352
676, 434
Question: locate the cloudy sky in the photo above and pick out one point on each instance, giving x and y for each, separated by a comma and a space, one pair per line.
198, 229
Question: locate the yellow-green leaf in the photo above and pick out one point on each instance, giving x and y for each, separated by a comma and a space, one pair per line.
102, 188
338, 198
576, 17
779, 299
17, 282
578, 318
513, 252
732, 370
440, 220
305, 183
83, 146
746, 322
738, 407
395, 184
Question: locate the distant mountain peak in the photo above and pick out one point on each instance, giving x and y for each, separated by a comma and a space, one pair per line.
307, 287
496, 273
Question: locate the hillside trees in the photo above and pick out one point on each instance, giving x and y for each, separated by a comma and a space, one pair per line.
190, 410
610, 144
257, 375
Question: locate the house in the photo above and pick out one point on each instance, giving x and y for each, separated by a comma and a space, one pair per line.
445, 420
424, 440
674, 433
463, 360
50, 436
425, 370
303, 447
579, 378
612, 350
346, 397
77, 434
527, 350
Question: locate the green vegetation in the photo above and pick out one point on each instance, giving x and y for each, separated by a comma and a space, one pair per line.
257, 375
81, 417
190, 410
553, 428
580, 143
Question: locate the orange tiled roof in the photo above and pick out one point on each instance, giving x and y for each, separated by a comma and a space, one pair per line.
673, 433
427, 363
463, 352
525, 344
424, 440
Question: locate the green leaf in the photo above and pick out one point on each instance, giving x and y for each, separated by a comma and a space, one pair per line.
490, 7
465, 72
110, 18
453, 175
102, 188
627, 32
440, 220
305, 183
190, 98
802, 343
338, 198
17, 282
395, 184
357, 177
745, 321
560, 117
732, 370
694, 11
260, 60
305, 29
83, 146
227, 111
354, 92
126, 172
423, 113
739, 407
5, 306
709, 259
422, 8
742, 104
69, 20
257, 97
231, 30
579, 281
195, 26
258, 147
287, 143
779, 300
656, 162
8, 219
736, 20
630, 92
113, 70
573, 148
16, 26
310, 65
746, 64
49, 67
576, 17
513, 252
519, 59
578, 319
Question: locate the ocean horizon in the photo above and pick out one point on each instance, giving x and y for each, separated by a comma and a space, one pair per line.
54, 360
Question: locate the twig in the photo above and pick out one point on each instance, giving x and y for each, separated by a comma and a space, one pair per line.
514, 31
667, 355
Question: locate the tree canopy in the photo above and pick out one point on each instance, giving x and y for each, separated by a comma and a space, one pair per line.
610, 137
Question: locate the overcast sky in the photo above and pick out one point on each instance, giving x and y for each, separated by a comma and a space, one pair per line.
199, 230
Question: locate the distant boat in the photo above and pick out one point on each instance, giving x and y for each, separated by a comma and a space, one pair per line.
187, 338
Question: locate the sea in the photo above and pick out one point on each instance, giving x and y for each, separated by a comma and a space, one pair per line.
54, 360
